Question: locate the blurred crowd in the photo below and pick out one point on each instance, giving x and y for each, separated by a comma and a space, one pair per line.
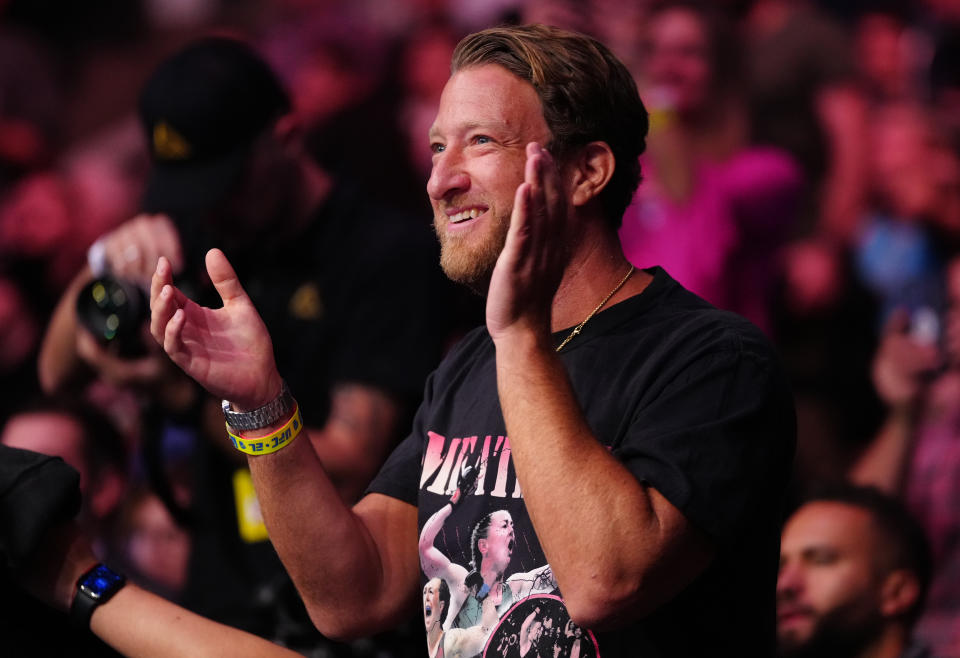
802, 169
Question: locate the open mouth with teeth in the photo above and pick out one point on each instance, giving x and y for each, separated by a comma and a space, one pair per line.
464, 215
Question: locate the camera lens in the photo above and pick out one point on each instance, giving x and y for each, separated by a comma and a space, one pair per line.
114, 310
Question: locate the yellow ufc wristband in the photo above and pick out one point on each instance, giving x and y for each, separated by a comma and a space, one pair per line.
264, 445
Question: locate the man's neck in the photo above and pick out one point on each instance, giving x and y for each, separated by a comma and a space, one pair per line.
595, 269
891, 642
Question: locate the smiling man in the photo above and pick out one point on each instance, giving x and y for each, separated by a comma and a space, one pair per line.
628, 442
854, 568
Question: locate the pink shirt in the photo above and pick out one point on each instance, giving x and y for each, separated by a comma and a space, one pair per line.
721, 242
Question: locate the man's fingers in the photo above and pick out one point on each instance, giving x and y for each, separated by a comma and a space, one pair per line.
172, 333
162, 276
224, 278
162, 307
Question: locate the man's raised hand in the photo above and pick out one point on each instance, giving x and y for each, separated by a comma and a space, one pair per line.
535, 254
227, 350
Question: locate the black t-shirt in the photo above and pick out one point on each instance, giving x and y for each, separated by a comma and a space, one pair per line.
690, 399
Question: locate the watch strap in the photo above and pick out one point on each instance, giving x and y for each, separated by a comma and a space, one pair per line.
264, 416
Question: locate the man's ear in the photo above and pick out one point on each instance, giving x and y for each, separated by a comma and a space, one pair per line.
899, 592
592, 170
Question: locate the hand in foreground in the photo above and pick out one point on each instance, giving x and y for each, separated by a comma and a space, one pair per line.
227, 350
533, 259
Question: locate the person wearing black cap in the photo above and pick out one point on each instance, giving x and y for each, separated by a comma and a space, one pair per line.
347, 286
229, 170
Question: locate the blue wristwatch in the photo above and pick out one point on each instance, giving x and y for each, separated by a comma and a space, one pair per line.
94, 588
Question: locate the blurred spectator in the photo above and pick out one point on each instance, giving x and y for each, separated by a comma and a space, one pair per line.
805, 97
156, 549
854, 568
712, 209
87, 441
914, 222
945, 83
30, 99
891, 54
916, 455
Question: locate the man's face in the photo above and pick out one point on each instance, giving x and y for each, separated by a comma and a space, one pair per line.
486, 119
263, 201
432, 605
497, 546
677, 58
828, 590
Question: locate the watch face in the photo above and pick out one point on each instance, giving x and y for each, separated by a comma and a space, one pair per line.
100, 581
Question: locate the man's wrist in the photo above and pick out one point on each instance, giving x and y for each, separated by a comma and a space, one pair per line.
520, 342
270, 391
275, 409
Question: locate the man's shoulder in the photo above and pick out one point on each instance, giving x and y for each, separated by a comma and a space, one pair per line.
669, 313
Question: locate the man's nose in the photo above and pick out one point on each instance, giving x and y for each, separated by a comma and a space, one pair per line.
789, 580
447, 176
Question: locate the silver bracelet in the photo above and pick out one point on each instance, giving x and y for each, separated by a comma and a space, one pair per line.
263, 416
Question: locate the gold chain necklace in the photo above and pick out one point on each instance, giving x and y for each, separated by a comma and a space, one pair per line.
606, 299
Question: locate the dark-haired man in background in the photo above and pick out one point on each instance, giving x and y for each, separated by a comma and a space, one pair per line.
854, 569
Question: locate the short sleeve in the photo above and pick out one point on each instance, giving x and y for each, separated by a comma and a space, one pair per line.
717, 441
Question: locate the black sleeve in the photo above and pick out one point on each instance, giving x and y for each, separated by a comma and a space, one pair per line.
717, 442
37, 492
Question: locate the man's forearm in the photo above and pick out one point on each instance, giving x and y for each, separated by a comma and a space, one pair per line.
619, 546
334, 554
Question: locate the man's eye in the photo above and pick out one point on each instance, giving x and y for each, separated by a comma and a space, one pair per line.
481, 139
823, 557
437, 148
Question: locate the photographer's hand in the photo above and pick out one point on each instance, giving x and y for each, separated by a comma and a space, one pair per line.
138, 372
131, 250
228, 351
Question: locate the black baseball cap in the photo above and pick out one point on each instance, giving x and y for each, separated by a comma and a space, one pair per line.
202, 109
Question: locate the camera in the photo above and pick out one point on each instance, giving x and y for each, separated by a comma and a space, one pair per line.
114, 310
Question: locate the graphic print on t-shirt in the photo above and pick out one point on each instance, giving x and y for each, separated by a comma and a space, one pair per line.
488, 589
